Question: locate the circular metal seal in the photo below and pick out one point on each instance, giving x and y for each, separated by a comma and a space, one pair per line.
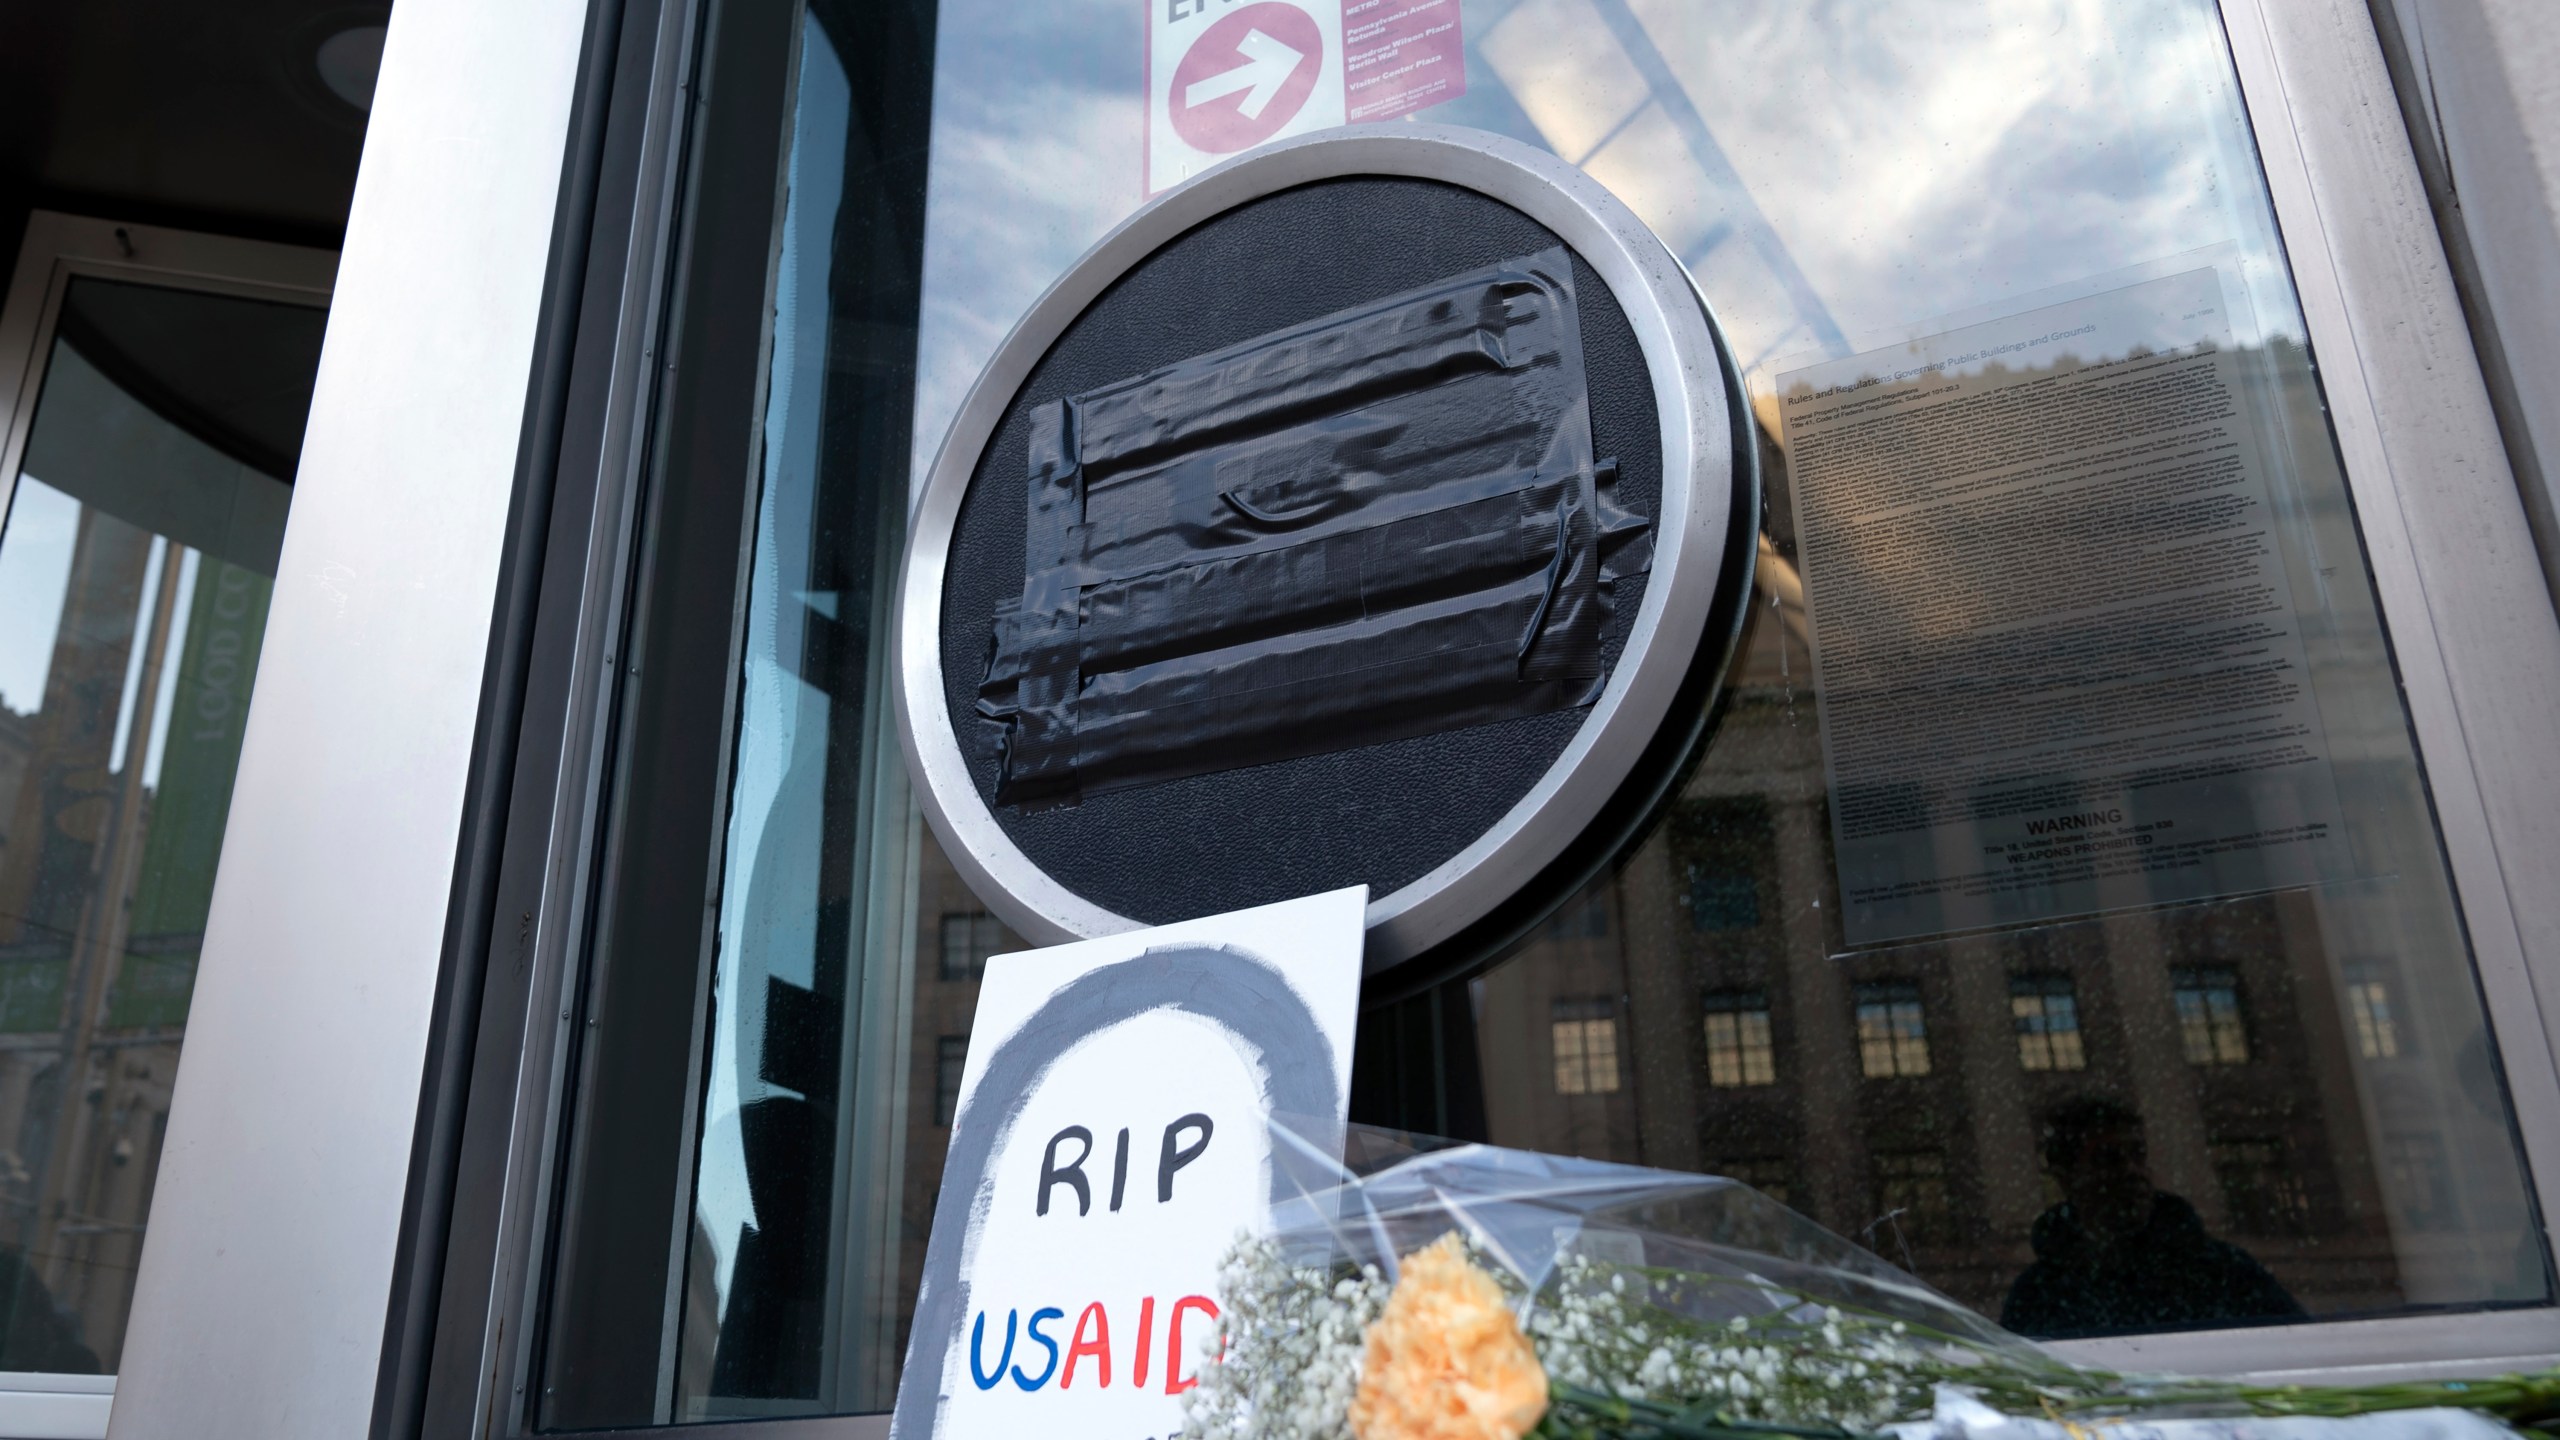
1647, 685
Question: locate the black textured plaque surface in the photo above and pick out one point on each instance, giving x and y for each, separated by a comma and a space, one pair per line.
1382, 814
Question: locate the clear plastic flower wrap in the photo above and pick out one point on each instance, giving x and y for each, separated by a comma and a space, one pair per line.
1421, 1289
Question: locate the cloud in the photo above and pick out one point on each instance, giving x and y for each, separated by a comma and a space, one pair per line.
1036, 126
1851, 168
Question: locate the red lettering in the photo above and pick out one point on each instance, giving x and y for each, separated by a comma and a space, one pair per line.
1174, 1381
1146, 1334
1099, 1346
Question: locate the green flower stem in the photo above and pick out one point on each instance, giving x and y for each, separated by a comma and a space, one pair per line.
2015, 1379
1577, 1413
2523, 1399
2531, 1401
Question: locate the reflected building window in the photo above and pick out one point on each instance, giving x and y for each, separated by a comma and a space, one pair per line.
1586, 1046
1723, 844
1722, 900
2265, 1194
2377, 1034
968, 938
1893, 1035
2416, 1178
1584, 918
1911, 1195
2046, 1011
2210, 1022
1739, 1050
1754, 834
1771, 1175
950, 1062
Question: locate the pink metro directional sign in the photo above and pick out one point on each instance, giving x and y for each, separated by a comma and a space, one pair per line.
1224, 76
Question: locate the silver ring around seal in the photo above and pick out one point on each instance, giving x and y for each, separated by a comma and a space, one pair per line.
1677, 337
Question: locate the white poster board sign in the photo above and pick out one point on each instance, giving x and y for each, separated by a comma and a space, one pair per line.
1112, 1136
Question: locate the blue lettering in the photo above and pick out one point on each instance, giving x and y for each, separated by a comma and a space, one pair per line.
977, 1344
1045, 1312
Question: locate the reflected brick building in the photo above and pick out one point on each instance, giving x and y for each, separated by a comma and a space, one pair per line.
1697, 1012
1698, 1009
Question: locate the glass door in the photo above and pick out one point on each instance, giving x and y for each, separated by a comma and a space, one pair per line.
2254, 1088
150, 472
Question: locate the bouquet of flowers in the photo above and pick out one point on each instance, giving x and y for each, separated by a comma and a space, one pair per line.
1473, 1293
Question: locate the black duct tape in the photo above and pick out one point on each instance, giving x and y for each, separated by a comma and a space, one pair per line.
1382, 523
1297, 559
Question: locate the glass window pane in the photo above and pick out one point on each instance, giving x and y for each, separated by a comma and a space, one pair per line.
1571, 1077
1600, 1055
137, 560
1739, 1052
1767, 1174
1893, 1036
782, 970
2376, 1037
2210, 1018
2046, 1010
2235, 1028
2190, 1059
1585, 1039
795, 1242
1911, 1202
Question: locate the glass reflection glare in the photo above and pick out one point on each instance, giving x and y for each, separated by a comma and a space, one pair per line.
136, 566
1836, 177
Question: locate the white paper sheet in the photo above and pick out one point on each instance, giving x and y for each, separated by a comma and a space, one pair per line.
2059, 664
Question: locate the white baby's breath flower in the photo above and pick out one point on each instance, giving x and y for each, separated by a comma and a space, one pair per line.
1284, 1359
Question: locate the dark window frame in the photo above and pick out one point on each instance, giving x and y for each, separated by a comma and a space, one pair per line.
950, 1060
2037, 1035
481, 1217
1905, 1053
1587, 1017
2206, 981
980, 935
1739, 1004
488, 997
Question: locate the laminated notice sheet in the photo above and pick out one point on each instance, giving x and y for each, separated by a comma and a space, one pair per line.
2058, 660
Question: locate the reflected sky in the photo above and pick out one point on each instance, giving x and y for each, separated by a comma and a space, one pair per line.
768, 927
35, 571
1840, 177
1832, 173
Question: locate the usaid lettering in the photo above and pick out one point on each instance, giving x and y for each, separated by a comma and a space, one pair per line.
1114, 1134
1091, 1340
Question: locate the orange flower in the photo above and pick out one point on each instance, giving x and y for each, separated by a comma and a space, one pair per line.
1446, 1359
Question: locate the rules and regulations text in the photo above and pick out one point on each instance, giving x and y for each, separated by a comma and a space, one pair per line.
2058, 661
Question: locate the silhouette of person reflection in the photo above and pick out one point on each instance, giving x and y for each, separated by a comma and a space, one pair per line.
2121, 1254
773, 1331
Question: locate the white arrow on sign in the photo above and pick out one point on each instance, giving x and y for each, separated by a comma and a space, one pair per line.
1268, 64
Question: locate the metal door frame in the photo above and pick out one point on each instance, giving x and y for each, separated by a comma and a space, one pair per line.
2468, 617
274, 1259
59, 248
